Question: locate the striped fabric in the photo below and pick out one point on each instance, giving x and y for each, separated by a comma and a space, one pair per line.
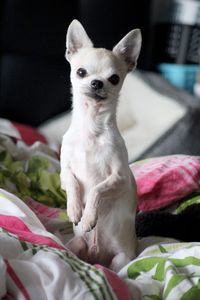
34, 264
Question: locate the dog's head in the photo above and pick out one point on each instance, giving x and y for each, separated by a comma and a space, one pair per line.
96, 72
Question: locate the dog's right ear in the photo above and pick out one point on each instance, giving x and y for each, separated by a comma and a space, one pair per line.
76, 39
129, 48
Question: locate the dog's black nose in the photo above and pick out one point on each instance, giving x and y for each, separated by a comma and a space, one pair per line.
96, 84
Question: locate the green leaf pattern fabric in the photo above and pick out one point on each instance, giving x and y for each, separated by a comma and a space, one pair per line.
167, 272
34, 177
32, 174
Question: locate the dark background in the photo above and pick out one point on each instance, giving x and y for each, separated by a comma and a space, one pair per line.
34, 76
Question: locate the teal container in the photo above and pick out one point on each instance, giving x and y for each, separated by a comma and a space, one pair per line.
182, 76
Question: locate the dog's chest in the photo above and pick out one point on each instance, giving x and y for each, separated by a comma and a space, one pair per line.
91, 157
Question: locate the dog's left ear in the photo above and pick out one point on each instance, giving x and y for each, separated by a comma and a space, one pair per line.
76, 39
129, 48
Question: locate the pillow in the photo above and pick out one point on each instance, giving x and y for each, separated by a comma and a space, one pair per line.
164, 180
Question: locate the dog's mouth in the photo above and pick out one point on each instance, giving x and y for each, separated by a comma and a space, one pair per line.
96, 96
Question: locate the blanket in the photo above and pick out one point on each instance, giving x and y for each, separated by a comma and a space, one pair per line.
166, 271
35, 264
34, 227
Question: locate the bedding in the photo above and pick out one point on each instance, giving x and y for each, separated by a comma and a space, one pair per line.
21, 132
166, 271
29, 135
32, 173
34, 228
34, 264
163, 181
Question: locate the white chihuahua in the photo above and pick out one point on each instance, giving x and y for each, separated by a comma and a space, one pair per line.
101, 192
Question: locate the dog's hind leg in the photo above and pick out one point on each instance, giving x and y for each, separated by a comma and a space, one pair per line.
79, 247
119, 261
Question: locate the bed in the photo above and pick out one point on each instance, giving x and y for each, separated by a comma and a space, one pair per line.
34, 229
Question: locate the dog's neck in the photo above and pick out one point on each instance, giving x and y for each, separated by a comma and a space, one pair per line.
93, 116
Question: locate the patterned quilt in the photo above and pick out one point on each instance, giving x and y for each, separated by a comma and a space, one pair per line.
34, 262
166, 271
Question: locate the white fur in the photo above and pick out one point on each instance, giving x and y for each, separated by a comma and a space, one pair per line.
101, 193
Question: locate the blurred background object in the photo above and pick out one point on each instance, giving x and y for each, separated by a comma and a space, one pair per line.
177, 40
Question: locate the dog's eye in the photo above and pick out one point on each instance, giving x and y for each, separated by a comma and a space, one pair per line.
81, 72
114, 79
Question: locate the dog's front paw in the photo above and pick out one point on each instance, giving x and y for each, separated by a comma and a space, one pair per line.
74, 212
88, 221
